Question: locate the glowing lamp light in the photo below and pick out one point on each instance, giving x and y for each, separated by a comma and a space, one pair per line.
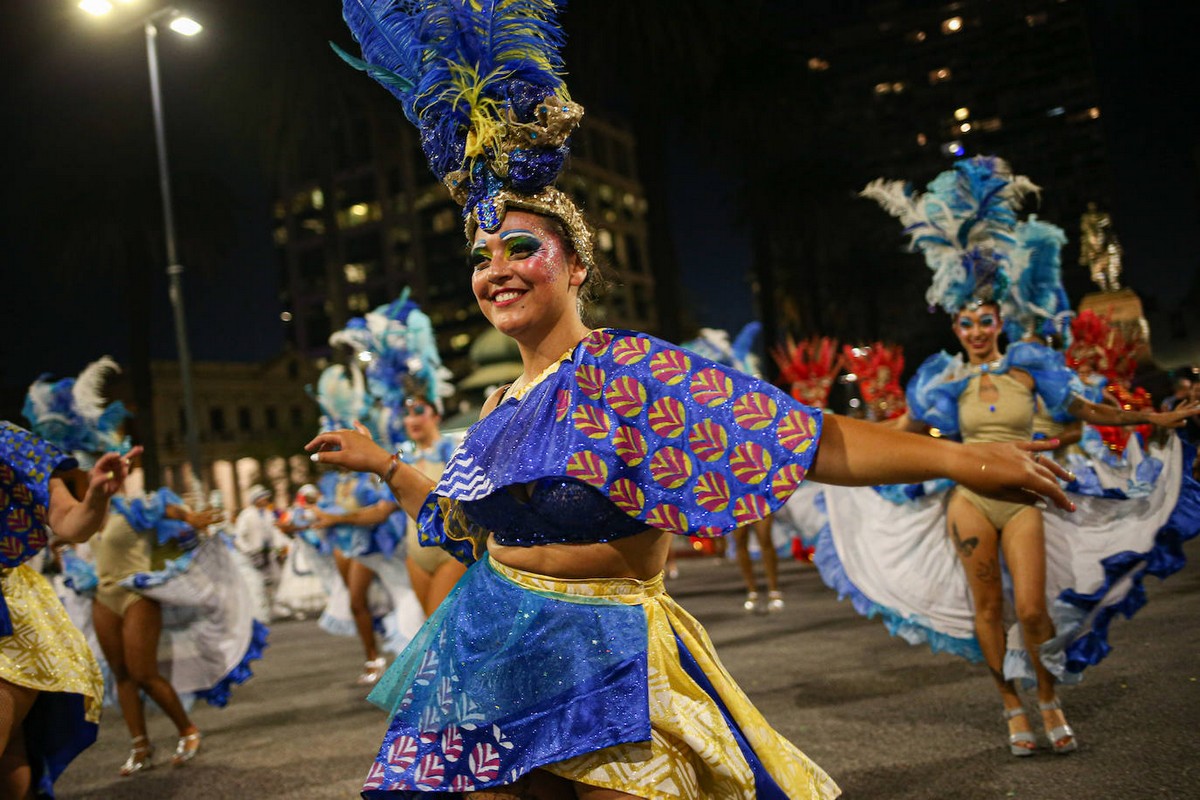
962, 113
286, 316
965, 127
185, 26
952, 25
365, 356
96, 8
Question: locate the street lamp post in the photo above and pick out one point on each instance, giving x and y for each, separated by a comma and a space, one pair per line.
186, 27
174, 268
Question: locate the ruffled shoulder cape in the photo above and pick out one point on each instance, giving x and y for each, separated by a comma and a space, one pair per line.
150, 513
934, 390
674, 440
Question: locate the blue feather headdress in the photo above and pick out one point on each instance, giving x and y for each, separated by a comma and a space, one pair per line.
396, 344
482, 82
714, 344
966, 225
342, 395
72, 413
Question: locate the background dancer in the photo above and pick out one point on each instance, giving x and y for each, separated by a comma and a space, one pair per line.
148, 553
578, 473
900, 564
51, 688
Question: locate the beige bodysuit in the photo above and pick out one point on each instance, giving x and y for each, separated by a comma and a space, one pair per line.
121, 551
1006, 418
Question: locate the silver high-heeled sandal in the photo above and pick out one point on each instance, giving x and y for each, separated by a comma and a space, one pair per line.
372, 671
1060, 733
186, 749
1017, 741
141, 757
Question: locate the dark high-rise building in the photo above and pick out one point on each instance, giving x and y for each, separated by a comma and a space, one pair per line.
899, 90
378, 222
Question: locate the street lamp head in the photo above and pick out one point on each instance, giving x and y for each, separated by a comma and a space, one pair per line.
185, 26
97, 8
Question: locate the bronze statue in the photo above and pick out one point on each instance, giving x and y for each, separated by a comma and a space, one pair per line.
1099, 249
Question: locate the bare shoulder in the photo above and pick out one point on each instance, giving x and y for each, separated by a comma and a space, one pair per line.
490, 404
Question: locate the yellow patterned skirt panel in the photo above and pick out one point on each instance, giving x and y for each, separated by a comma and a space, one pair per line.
46, 652
692, 754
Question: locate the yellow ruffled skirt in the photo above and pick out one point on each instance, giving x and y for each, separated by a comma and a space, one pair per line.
48, 654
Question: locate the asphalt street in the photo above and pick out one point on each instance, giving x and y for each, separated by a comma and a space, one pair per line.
887, 720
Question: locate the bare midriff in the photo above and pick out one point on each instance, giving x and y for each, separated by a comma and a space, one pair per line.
641, 556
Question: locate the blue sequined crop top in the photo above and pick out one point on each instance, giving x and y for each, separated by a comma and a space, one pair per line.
559, 511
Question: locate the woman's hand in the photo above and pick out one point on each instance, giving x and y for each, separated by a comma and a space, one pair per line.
1016, 472
202, 519
108, 476
1176, 418
353, 450
321, 519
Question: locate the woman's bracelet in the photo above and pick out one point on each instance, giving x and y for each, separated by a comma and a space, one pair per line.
393, 462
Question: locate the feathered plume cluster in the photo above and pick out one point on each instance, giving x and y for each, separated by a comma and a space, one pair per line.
877, 369
342, 395
809, 368
714, 344
1100, 348
398, 351
481, 81
966, 225
72, 413
398, 347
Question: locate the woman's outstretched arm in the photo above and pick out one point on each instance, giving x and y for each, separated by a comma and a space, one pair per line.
856, 453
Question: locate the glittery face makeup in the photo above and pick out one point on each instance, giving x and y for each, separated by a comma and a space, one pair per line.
985, 321
977, 330
519, 272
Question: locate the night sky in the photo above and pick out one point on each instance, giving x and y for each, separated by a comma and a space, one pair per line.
80, 152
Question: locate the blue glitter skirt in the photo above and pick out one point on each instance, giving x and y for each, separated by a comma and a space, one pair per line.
606, 682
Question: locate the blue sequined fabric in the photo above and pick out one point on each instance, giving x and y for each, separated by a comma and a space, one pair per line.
150, 513
26, 464
503, 679
672, 440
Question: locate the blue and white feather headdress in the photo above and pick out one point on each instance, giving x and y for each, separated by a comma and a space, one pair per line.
73, 415
715, 345
342, 395
397, 345
482, 82
966, 225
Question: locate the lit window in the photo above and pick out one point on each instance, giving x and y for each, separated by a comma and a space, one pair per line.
1057, 111
965, 127
318, 199
939, 75
916, 37
286, 316
356, 273
605, 240
358, 210
445, 221
953, 148
883, 88
460, 341
922, 139
1094, 112
818, 64
898, 87
358, 302
961, 114
952, 25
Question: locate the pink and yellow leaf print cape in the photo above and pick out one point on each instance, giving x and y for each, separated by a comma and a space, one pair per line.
674, 440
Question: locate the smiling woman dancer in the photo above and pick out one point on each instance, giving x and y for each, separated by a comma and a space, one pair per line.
899, 563
558, 667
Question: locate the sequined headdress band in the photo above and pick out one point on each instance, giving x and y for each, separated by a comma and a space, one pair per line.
481, 81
